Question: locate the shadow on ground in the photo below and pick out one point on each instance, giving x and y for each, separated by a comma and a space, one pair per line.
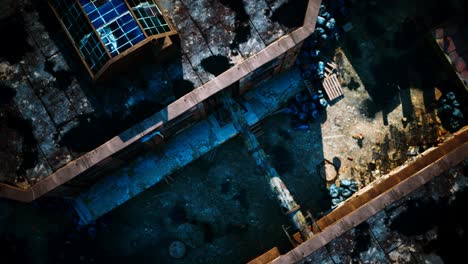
118, 101
392, 59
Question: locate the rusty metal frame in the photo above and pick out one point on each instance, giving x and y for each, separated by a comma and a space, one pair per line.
134, 16
71, 39
94, 29
112, 60
173, 31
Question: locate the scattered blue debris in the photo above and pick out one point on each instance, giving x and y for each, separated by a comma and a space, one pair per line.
323, 102
339, 194
333, 190
449, 112
315, 115
321, 69
302, 127
303, 107
321, 21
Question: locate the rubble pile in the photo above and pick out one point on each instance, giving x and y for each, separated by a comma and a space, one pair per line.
312, 67
343, 191
450, 113
305, 108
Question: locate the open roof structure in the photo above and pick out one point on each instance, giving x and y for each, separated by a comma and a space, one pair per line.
103, 31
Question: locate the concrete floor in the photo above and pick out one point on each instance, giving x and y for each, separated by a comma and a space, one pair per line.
50, 89
235, 197
222, 208
386, 137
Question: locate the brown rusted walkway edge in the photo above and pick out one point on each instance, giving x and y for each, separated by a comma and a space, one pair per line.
374, 198
175, 109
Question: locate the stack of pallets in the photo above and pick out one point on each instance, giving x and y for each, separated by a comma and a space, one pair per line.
331, 84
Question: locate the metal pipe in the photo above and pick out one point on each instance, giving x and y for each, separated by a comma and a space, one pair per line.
277, 186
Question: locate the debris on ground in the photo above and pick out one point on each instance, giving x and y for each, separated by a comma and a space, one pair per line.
309, 61
330, 172
397, 232
342, 190
449, 112
305, 108
358, 136
413, 151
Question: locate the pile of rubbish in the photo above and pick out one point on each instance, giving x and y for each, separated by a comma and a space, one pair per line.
305, 108
342, 192
313, 69
450, 113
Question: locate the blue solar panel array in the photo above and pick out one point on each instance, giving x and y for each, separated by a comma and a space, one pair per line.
114, 23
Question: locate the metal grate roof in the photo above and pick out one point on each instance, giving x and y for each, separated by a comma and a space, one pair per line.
81, 33
149, 16
101, 30
114, 23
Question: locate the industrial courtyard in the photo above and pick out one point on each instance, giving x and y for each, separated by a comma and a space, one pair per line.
221, 206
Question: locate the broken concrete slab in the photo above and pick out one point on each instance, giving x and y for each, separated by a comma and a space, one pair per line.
259, 13
387, 239
41, 35
43, 127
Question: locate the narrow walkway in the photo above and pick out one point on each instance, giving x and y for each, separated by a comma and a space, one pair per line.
141, 173
287, 202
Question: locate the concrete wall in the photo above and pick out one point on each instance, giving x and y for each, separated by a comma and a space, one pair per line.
170, 113
382, 193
